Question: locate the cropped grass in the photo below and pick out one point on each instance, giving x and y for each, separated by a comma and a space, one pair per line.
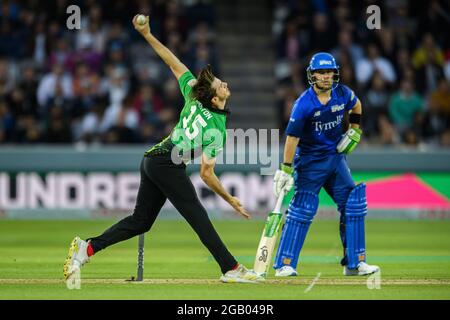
414, 257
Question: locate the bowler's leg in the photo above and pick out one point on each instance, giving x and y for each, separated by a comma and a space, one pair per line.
149, 202
179, 190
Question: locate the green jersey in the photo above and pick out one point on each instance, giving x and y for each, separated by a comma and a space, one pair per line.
199, 128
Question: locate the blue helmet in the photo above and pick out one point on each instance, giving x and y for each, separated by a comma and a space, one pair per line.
322, 61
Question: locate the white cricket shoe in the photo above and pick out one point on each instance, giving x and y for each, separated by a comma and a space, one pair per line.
362, 270
76, 257
285, 271
241, 274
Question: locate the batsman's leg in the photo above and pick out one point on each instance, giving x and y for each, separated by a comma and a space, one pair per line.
355, 212
300, 214
338, 186
352, 204
352, 231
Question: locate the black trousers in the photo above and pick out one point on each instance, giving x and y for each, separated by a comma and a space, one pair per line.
161, 179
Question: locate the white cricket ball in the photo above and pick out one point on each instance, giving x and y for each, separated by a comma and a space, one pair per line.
141, 19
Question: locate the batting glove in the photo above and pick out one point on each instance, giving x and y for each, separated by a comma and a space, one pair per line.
349, 141
283, 181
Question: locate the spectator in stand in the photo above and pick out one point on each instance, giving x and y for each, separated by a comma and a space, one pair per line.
428, 60
27, 130
61, 54
388, 135
403, 64
92, 31
322, 37
7, 77
289, 44
89, 129
373, 62
148, 104
403, 106
57, 128
28, 86
125, 129
376, 103
6, 122
86, 85
441, 97
445, 139
346, 46
116, 84
57, 83
436, 118
120, 116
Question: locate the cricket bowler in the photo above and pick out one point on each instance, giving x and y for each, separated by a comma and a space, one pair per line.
201, 130
315, 157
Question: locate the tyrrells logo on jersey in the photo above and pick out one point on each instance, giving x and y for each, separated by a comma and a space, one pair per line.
320, 126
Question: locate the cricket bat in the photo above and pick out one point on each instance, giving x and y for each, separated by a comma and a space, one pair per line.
268, 239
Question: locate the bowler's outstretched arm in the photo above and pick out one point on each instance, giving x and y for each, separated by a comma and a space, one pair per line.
177, 67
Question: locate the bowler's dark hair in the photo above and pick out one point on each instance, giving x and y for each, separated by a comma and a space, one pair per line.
202, 90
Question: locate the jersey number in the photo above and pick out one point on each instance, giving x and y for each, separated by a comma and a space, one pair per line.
198, 120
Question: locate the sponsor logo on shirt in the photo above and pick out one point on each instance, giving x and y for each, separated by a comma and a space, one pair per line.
317, 113
319, 126
337, 107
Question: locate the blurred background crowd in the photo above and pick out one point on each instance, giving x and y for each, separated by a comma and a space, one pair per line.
99, 84
401, 73
103, 84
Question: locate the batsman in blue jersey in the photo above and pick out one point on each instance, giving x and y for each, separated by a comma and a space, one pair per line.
314, 157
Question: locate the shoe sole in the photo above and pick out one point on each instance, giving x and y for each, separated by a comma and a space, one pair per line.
361, 274
69, 260
238, 280
287, 275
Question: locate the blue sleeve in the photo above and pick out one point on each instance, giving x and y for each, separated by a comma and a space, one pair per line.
297, 119
350, 98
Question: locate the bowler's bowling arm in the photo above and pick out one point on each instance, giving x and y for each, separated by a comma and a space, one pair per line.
177, 67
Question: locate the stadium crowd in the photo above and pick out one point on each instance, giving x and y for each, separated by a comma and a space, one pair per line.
103, 84
400, 72
99, 84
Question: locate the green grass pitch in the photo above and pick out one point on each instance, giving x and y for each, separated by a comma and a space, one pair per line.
414, 257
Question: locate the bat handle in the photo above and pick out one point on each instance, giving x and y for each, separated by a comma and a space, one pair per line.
279, 202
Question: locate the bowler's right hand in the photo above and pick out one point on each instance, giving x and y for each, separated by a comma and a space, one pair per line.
143, 29
283, 180
236, 204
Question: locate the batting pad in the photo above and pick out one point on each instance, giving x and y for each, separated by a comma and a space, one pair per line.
300, 214
355, 211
